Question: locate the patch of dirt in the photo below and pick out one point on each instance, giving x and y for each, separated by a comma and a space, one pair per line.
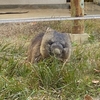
19, 33
20, 28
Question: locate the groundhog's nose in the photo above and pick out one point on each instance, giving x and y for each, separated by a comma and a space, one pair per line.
57, 51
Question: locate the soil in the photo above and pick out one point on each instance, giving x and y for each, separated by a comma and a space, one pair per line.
90, 9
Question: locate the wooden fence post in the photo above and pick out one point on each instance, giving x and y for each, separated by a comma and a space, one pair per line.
77, 10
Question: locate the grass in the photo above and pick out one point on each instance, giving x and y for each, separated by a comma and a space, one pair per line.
49, 79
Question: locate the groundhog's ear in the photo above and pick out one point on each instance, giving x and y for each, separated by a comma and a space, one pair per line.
49, 30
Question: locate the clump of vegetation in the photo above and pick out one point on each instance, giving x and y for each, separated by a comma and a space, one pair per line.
50, 79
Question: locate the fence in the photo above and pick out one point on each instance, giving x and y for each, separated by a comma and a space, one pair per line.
48, 19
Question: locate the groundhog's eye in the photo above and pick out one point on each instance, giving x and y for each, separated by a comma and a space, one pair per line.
50, 42
63, 45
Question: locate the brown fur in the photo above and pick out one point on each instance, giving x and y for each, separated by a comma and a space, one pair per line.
34, 49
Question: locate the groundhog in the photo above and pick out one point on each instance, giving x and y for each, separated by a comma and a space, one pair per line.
50, 43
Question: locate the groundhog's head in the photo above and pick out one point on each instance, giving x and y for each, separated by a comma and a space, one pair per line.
55, 43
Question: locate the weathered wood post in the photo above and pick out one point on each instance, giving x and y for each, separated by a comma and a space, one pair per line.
77, 10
